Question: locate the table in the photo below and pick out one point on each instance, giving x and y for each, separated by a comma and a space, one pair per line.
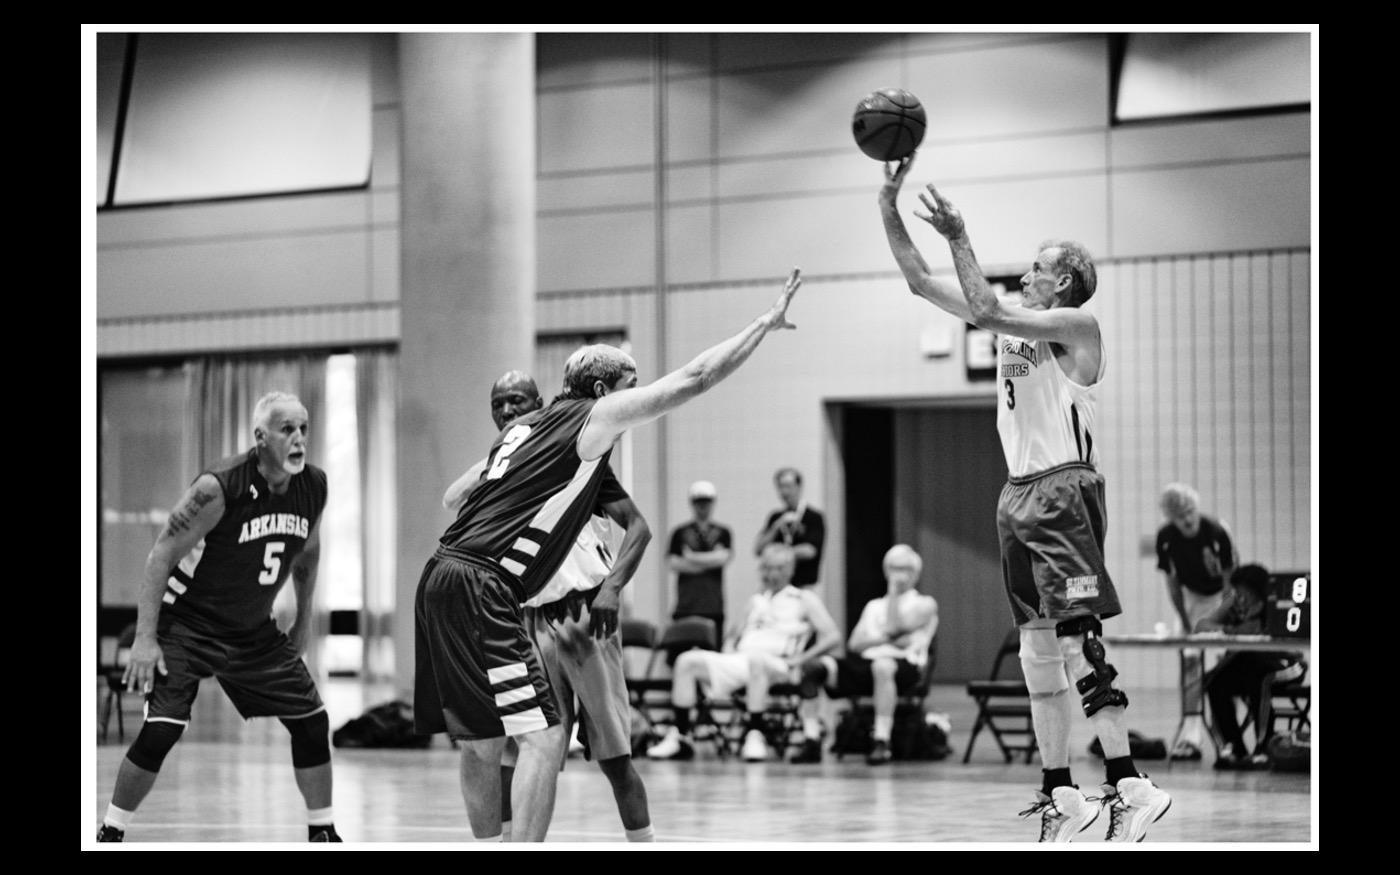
1204, 641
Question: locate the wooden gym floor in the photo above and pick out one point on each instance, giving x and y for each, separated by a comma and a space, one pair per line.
230, 781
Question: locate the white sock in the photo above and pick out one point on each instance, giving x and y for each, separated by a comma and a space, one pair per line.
811, 727
883, 727
645, 834
505, 830
117, 818
320, 816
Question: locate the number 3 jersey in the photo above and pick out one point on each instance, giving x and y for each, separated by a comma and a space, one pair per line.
534, 497
227, 583
1045, 419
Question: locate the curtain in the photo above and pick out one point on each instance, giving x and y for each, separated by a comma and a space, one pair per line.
219, 414
376, 408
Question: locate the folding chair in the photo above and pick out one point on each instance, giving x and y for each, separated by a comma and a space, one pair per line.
652, 693
639, 656
782, 719
112, 675
1285, 695
1003, 700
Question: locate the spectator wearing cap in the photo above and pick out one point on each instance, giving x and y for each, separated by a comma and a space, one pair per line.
699, 551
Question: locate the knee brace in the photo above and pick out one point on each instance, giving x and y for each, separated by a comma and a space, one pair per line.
1042, 663
311, 744
153, 743
1096, 688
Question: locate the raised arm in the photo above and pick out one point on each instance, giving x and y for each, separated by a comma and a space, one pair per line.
456, 494
199, 510
603, 613
304, 588
1071, 326
868, 631
925, 621
941, 293
615, 413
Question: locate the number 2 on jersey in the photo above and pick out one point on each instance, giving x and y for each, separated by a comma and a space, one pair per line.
513, 439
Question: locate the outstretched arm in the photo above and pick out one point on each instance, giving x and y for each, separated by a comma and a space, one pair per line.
199, 510
615, 413
603, 613
940, 293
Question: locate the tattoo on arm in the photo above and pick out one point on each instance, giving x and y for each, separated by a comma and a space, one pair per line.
183, 517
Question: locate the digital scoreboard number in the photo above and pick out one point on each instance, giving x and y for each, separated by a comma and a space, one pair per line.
1290, 605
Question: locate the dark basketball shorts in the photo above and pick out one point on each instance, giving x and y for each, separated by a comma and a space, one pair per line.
1052, 532
261, 672
477, 673
854, 677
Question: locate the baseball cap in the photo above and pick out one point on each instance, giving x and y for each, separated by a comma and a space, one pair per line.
702, 489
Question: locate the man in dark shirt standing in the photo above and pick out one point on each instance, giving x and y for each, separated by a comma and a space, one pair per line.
1197, 556
801, 527
699, 551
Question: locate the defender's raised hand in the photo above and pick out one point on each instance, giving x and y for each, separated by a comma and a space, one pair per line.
777, 316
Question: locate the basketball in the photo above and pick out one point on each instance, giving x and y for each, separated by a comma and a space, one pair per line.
889, 124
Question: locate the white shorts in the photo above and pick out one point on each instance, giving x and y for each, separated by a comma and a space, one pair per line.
729, 672
579, 665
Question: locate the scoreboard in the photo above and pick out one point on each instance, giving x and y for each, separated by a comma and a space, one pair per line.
1289, 613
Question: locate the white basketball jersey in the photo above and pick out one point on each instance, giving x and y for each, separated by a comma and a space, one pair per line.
777, 623
589, 561
1045, 418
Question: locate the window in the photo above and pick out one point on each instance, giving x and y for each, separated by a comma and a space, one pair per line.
219, 115
1171, 75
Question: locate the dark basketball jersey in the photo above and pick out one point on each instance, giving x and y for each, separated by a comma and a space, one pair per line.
534, 496
228, 581
1199, 562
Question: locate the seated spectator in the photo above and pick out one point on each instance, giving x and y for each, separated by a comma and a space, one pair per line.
886, 653
784, 628
1240, 674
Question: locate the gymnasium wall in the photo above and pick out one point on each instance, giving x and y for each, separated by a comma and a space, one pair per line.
1201, 230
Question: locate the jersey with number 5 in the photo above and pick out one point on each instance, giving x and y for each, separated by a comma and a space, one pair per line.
534, 496
227, 583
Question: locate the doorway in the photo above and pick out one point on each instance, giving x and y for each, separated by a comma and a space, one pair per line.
929, 475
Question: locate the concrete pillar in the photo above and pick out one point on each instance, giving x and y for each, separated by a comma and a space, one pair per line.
468, 272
